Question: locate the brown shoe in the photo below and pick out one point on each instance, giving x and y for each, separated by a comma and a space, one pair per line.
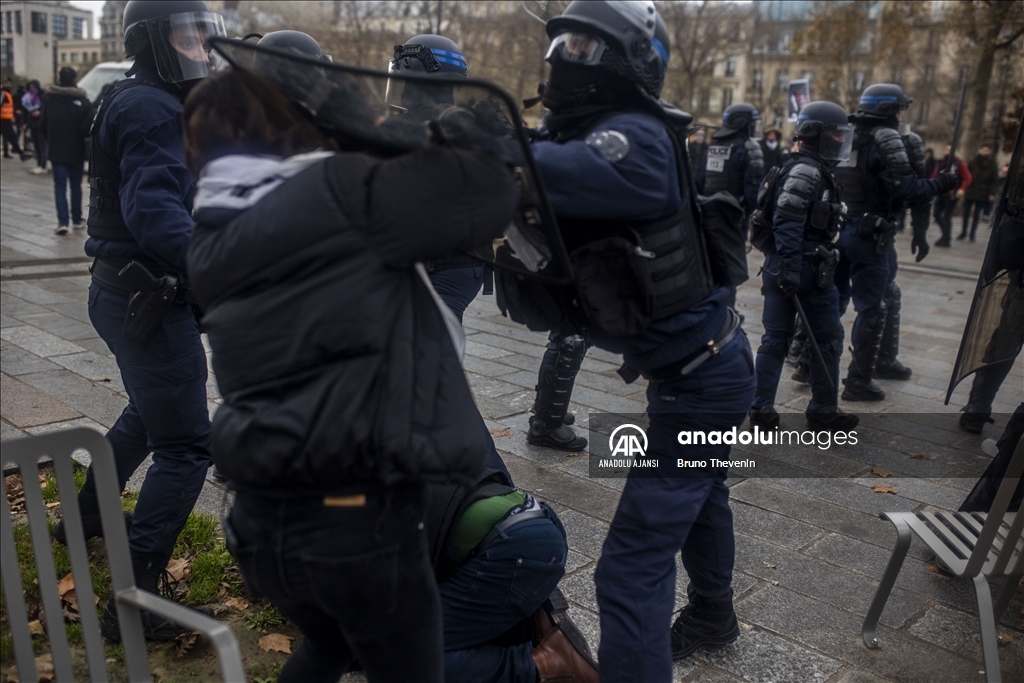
558, 661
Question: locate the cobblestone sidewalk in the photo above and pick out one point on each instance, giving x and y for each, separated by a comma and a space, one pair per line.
810, 546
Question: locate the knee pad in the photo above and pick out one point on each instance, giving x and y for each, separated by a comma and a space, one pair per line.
893, 298
774, 344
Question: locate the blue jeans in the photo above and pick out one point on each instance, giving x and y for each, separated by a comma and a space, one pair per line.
822, 309
457, 287
492, 592
62, 175
166, 414
356, 580
671, 512
980, 206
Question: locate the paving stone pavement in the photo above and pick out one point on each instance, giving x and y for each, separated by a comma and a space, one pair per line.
810, 546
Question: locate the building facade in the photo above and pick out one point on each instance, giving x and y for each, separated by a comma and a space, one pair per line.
32, 36
111, 32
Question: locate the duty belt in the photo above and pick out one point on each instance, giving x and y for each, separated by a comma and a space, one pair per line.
711, 349
106, 274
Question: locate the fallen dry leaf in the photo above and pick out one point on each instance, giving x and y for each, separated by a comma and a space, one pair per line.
66, 584
880, 488
747, 626
53, 504
36, 628
177, 568
775, 583
934, 569
881, 472
1004, 638
919, 456
158, 673
501, 432
184, 643
768, 564
276, 642
240, 604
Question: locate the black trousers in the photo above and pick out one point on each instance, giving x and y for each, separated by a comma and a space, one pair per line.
945, 205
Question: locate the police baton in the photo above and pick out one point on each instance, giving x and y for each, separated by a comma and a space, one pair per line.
959, 118
814, 342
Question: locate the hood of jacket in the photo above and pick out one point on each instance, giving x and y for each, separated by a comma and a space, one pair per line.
66, 91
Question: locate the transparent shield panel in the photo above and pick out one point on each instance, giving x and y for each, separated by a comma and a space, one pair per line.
388, 114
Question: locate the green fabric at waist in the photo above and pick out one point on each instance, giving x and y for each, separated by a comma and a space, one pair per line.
479, 518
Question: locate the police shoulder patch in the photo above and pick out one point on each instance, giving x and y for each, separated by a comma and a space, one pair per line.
611, 144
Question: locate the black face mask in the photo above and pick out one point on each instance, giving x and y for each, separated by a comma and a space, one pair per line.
571, 86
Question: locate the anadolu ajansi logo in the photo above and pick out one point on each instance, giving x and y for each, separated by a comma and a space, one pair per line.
628, 444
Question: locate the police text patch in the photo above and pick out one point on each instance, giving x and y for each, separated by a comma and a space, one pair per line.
717, 156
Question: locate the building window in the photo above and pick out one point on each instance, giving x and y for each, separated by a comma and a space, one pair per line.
785, 42
922, 114
756, 79
777, 119
7, 56
78, 28
95, 57
17, 21
60, 26
726, 98
782, 80
38, 22
7, 23
704, 100
858, 80
730, 67
74, 57
63, 57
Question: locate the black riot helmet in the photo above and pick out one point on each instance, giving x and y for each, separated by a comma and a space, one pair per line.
823, 128
627, 38
173, 35
883, 101
740, 118
296, 41
433, 56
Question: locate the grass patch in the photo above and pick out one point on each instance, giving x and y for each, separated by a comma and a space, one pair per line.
74, 630
264, 619
199, 535
206, 576
49, 487
6, 647
128, 500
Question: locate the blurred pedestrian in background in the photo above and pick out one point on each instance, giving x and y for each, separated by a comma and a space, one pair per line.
32, 104
982, 192
7, 129
945, 203
65, 120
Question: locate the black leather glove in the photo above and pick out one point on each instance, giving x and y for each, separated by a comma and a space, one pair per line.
789, 281
948, 179
919, 246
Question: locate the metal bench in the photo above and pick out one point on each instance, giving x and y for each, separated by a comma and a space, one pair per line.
970, 544
26, 453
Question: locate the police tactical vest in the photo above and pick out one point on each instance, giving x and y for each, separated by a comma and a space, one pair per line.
720, 175
822, 217
862, 190
105, 220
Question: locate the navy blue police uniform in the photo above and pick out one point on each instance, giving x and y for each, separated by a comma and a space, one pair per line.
735, 165
636, 180
876, 183
806, 219
140, 211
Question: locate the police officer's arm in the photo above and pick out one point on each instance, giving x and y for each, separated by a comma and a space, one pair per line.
796, 195
437, 202
156, 186
702, 170
591, 179
753, 172
892, 163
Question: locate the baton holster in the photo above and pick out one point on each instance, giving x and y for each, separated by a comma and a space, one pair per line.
827, 262
873, 226
151, 296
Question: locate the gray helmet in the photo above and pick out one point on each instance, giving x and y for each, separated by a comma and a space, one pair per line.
174, 33
625, 37
823, 128
740, 118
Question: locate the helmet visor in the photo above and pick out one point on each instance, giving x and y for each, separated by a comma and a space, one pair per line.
181, 44
835, 142
577, 48
756, 129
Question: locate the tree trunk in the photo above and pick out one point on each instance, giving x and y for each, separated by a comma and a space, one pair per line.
977, 98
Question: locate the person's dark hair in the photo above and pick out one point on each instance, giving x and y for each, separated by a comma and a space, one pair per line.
930, 151
31, 83
236, 112
67, 76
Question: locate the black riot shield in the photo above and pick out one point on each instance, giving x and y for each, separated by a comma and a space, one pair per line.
390, 114
994, 331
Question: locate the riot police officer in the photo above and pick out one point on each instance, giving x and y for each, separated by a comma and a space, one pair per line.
296, 41
734, 162
796, 224
617, 175
139, 226
876, 183
919, 218
457, 278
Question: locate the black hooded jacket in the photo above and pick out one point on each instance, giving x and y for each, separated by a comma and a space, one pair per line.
334, 360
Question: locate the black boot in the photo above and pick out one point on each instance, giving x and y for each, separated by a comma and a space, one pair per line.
831, 418
556, 378
802, 374
888, 367
858, 389
867, 341
151, 576
765, 417
974, 422
705, 621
